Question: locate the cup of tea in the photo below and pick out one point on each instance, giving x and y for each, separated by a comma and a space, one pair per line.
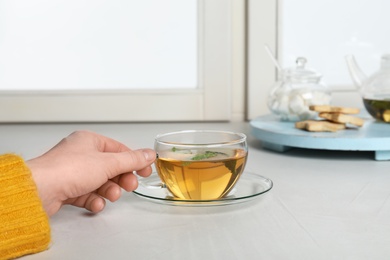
200, 164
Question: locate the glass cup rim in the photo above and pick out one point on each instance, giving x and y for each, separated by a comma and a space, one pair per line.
241, 137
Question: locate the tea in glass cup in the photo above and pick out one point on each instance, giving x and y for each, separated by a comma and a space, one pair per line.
200, 164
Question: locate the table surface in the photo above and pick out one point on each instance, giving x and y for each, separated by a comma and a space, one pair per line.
324, 205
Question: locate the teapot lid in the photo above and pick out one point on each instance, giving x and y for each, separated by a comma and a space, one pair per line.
300, 73
385, 61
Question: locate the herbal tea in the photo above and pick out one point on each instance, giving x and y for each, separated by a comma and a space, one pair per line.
379, 109
200, 174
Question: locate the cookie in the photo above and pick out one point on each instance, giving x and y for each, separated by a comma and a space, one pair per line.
319, 126
334, 109
342, 118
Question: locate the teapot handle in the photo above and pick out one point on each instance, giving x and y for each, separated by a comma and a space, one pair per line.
356, 73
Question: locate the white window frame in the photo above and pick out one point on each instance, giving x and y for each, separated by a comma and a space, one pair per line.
209, 102
261, 72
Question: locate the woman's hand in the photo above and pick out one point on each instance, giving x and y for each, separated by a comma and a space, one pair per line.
86, 168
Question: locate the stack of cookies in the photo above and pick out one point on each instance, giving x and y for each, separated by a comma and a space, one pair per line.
333, 119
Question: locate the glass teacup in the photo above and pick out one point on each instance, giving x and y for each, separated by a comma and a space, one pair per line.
200, 164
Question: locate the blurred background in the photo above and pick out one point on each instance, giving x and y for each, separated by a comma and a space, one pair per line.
174, 60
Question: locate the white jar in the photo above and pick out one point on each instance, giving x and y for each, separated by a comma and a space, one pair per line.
297, 89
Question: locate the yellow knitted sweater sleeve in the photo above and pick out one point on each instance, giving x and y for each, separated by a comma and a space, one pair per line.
24, 225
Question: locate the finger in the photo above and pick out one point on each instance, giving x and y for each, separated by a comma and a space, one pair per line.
110, 190
145, 172
128, 181
129, 161
96, 204
91, 201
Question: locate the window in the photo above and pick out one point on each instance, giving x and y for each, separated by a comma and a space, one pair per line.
117, 60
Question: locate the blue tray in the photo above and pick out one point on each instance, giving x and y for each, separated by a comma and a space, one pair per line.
281, 136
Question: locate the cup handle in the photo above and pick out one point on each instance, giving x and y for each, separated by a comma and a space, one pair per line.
153, 185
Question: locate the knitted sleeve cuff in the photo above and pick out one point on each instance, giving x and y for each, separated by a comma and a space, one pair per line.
24, 225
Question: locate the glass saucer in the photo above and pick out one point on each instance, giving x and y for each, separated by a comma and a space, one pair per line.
248, 187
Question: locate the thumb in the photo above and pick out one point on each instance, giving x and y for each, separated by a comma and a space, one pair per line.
129, 161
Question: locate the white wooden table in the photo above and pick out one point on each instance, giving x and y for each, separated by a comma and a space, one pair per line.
324, 205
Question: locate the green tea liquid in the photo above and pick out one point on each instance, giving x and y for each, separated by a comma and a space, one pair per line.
379, 109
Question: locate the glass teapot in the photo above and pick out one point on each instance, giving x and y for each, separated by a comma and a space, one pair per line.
375, 90
297, 89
